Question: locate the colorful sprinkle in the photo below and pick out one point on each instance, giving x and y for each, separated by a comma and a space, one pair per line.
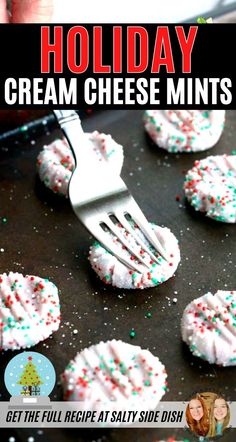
183, 130
132, 333
208, 327
56, 163
210, 187
113, 272
114, 371
29, 310
148, 315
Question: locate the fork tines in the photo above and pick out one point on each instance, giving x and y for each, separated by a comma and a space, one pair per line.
104, 205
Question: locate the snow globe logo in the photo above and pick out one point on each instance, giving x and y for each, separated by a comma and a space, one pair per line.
28, 377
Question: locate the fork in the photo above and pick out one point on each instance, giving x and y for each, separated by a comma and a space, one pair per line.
99, 196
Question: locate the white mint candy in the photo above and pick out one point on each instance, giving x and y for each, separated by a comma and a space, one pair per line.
56, 162
114, 375
112, 271
29, 310
184, 130
209, 327
210, 187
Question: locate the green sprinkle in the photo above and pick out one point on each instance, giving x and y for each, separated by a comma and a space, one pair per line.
132, 333
152, 120
147, 383
110, 153
24, 128
4, 220
148, 315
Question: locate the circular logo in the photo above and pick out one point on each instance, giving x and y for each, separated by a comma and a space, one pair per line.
29, 374
208, 415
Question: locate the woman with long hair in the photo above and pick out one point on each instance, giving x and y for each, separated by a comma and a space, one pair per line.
197, 416
219, 417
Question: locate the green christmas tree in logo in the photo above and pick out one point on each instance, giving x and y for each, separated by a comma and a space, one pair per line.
30, 380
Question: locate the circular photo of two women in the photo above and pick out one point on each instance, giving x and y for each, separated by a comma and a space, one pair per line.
208, 416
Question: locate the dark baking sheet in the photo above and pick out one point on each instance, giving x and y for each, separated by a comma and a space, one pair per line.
43, 237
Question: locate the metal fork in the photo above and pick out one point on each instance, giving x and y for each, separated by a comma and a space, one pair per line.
97, 196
